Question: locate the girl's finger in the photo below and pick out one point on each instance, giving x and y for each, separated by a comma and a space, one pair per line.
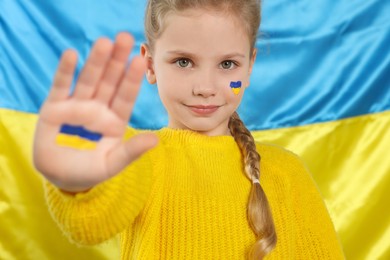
93, 69
124, 99
64, 76
115, 68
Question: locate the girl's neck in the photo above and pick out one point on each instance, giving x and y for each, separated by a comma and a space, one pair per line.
190, 136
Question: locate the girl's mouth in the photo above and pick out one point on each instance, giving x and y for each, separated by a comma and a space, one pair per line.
203, 110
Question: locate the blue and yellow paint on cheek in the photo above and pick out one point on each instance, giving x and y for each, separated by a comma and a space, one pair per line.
77, 137
235, 86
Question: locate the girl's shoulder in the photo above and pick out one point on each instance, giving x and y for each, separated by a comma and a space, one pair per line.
282, 162
273, 151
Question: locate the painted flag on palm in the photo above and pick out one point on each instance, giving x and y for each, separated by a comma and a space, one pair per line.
320, 87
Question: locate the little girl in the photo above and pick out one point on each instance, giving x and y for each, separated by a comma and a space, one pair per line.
191, 190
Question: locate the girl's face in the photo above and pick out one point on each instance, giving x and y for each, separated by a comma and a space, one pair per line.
194, 61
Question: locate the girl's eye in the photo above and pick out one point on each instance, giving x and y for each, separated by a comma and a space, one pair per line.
183, 63
227, 64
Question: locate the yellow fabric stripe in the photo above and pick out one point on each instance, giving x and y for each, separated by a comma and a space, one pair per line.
348, 159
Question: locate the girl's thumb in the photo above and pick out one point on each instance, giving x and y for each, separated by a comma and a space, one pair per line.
129, 151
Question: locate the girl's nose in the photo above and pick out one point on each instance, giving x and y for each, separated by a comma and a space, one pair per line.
204, 91
205, 86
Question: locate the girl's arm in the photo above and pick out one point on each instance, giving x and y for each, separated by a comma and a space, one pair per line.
316, 235
85, 193
105, 210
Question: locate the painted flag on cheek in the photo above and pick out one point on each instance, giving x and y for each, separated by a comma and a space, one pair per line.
320, 87
235, 86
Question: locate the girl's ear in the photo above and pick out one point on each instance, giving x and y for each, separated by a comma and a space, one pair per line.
145, 53
251, 62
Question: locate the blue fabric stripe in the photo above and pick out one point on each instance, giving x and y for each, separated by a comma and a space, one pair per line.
318, 60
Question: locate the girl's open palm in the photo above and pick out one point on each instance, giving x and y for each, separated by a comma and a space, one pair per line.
102, 102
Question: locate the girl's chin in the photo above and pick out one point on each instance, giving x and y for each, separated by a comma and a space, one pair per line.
209, 130
204, 125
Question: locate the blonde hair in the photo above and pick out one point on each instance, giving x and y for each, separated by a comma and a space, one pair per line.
258, 210
248, 11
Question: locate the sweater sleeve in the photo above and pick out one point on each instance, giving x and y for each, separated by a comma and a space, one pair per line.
316, 236
106, 209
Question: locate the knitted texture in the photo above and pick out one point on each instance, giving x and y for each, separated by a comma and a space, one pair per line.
187, 199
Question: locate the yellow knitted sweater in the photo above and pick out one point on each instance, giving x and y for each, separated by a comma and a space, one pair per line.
187, 199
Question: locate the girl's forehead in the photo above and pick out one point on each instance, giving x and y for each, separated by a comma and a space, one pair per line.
205, 33
202, 13
201, 23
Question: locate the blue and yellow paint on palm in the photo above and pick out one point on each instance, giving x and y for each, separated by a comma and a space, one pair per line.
77, 137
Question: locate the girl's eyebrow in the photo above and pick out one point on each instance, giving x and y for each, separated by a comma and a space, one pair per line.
234, 55
191, 55
182, 53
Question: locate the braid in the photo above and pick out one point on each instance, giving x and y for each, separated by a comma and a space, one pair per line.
258, 212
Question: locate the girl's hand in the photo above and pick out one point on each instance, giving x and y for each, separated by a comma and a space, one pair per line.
102, 102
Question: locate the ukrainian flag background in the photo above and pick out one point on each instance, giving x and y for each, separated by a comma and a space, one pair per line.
320, 87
